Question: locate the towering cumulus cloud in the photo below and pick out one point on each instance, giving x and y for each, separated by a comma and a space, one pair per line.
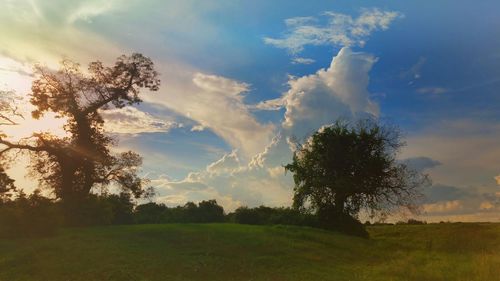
337, 91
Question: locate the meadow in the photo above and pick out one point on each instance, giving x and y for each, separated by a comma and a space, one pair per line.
451, 251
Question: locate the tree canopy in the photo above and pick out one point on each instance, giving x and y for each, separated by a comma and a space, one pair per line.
346, 167
72, 165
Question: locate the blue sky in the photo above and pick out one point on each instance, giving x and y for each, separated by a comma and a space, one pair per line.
433, 68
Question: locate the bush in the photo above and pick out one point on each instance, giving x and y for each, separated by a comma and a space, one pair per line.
99, 210
415, 221
411, 221
266, 216
29, 216
92, 210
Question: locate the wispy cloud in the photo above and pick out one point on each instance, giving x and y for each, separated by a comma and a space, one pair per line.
132, 121
333, 29
90, 9
217, 103
432, 90
300, 60
415, 71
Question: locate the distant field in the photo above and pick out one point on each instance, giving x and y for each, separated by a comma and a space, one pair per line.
242, 252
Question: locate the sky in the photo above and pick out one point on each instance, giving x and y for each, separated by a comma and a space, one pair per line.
240, 79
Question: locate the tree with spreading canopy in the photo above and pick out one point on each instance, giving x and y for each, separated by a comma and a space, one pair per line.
344, 168
72, 165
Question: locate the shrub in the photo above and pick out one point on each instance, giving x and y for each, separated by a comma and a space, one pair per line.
415, 221
29, 216
93, 210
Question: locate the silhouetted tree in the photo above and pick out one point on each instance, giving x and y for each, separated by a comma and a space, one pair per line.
345, 167
150, 213
122, 208
72, 165
210, 211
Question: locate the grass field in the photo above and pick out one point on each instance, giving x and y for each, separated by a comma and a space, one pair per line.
242, 252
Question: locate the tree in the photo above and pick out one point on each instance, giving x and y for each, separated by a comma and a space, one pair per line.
72, 165
345, 167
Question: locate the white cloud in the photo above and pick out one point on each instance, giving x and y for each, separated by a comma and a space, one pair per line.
274, 104
298, 60
339, 30
130, 120
276, 172
227, 164
197, 128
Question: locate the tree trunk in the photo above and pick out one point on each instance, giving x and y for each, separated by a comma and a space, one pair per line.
339, 204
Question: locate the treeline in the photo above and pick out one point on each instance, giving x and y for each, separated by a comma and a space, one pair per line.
36, 215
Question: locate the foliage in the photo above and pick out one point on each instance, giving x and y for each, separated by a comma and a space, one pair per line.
345, 167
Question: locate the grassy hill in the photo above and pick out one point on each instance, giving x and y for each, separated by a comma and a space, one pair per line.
242, 252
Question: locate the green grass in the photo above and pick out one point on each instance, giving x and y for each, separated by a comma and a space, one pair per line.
242, 252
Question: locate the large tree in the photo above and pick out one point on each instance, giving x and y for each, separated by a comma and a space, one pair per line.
345, 167
72, 165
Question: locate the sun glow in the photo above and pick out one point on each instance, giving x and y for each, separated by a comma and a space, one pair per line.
28, 126
17, 77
